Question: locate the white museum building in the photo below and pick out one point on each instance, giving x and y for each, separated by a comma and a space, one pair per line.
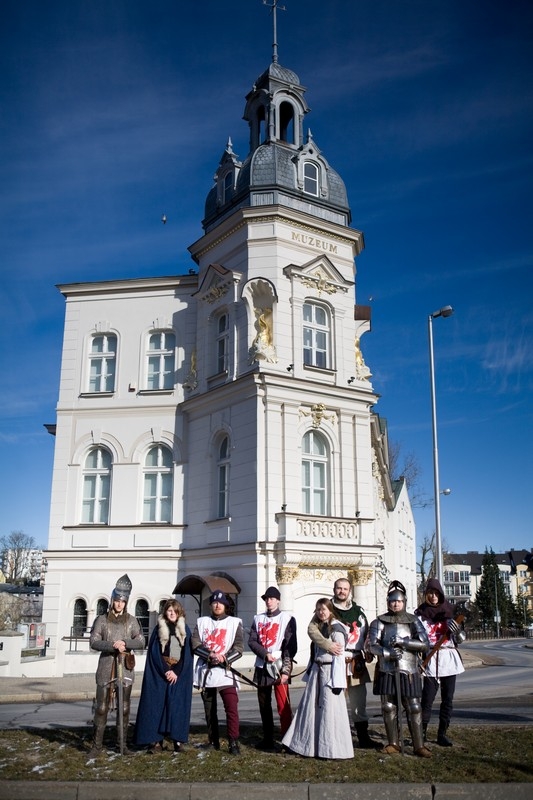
219, 428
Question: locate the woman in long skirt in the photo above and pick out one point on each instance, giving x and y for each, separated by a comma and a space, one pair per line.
166, 694
321, 726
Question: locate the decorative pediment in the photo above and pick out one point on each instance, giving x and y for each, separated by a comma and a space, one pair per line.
216, 283
319, 275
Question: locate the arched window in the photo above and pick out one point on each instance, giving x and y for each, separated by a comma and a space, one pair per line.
102, 606
316, 336
315, 479
160, 364
143, 617
286, 123
158, 483
102, 363
79, 618
96, 487
223, 455
311, 178
222, 343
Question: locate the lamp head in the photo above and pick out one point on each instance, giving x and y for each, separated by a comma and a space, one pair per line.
445, 311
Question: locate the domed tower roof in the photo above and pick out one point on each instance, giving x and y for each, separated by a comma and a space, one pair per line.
282, 167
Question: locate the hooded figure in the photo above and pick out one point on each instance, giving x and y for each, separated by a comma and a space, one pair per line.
437, 617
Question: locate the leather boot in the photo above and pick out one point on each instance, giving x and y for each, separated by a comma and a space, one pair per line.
98, 739
365, 742
442, 739
425, 731
211, 718
234, 748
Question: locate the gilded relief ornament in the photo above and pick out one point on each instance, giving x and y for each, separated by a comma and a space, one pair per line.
318, 413
286, 575
191, 381
360, 577
318, 281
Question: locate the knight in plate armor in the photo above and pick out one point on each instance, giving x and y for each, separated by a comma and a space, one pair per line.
399, 640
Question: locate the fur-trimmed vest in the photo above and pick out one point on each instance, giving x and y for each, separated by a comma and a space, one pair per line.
171, 638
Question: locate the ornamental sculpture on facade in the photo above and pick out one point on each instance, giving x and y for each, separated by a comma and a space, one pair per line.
318, 413
361, 369
191, 381
262, 348
318, 281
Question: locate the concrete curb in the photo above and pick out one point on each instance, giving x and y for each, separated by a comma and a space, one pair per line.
91, 790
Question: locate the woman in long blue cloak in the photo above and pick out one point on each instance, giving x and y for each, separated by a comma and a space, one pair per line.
166, 694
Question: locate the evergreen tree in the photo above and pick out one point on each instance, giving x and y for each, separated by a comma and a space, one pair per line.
491, 587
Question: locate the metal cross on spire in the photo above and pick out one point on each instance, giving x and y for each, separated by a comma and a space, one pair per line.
274, 5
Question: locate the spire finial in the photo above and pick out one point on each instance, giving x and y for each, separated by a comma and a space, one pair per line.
274, 6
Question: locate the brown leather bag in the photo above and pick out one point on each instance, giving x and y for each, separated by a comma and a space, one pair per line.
129, 661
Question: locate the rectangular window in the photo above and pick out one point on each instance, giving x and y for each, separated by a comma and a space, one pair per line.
222, 344
316, 336
160, 364
311, 178
222, 511
95, 499
102, 363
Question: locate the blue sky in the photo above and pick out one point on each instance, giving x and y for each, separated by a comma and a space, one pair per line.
114, 113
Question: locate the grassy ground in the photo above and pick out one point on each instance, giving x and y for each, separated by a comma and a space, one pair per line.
483, 754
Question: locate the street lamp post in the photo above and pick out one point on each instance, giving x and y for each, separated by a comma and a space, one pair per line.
446, 311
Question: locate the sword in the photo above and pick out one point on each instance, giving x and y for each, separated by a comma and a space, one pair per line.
397, 681
120, 702
240, 675
435, 649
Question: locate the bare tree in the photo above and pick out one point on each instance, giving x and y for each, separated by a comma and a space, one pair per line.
11, 611
15, 550
425, 566
408, 467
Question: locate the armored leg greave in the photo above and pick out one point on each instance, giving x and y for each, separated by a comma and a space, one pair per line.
390, 719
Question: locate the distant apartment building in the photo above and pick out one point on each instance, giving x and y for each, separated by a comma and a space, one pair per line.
22, 565
463, 571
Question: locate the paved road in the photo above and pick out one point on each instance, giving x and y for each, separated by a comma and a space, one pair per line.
497, 694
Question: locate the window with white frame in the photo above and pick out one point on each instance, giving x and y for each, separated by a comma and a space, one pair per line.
311, 178
315, 474
160, 360
316, 335
222, 343
223, 465
102, 363
158, 484
96, 487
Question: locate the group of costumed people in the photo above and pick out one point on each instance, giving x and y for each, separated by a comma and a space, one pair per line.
342, 645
